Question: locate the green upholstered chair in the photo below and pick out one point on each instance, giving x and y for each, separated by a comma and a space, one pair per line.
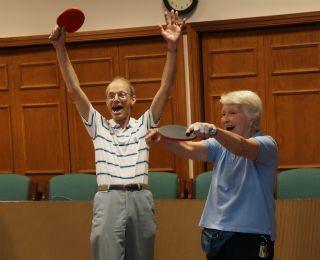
73, 186
202, 185
15, 187
164, 185
302, 183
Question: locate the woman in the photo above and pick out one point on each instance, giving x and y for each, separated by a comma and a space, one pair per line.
239, 216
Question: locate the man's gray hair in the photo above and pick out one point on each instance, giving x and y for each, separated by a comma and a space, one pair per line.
127, 82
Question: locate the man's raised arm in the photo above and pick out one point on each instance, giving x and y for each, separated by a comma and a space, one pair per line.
70, 78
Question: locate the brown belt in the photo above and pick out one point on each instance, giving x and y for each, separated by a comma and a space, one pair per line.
129, 187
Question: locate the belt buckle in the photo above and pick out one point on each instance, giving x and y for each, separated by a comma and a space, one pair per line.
129, 187
133, 186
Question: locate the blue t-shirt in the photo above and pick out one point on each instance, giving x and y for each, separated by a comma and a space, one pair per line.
241, 194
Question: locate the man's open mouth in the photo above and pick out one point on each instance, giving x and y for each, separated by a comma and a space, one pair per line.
116, 108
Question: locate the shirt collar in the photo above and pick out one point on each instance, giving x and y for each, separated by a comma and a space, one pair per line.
114, 125
258, 133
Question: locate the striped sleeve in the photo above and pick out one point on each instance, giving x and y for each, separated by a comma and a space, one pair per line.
91, 125
150, 122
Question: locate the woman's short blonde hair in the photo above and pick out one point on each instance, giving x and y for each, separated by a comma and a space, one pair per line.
250, 102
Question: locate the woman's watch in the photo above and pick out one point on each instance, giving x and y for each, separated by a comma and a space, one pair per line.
212, 131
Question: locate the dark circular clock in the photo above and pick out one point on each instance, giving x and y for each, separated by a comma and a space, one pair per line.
182, 6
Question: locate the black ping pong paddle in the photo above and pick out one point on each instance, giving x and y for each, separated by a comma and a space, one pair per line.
176, 132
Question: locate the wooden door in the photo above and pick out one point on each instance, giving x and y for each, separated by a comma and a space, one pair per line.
292, 58
6, 114
34, 113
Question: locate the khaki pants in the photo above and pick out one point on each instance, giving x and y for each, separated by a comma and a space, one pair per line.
123, 225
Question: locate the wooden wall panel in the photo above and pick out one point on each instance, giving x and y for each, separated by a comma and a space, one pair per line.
293, 72
42, 138
296, 132
39, 114
4, 77
6, 147
231, 61
6, 116
38, 75
144, 67
53, 225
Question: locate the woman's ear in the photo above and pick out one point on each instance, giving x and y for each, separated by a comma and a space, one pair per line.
252, 121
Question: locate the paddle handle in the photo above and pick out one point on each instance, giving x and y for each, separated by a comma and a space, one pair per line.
211, 133
59, 34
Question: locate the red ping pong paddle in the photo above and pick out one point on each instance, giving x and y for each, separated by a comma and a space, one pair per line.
176, 133
71, 18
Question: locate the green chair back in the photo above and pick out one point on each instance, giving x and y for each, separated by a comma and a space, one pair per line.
303, 183
203, 181
14, 187
163, 185
74, 186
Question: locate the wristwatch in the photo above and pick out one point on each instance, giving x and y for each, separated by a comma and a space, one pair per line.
212, 131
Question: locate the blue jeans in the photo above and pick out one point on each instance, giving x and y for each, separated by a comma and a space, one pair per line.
234, 245
212, 241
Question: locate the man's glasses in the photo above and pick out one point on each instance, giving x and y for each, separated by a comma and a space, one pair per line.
121, 95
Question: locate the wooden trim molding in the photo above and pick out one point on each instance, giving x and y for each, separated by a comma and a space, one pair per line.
82, 36
257, 22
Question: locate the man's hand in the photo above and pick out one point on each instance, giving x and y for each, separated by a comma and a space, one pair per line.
202, 130
153, 137
173, 28
58, 36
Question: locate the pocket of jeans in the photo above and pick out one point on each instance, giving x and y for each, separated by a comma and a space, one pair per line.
213, 240
206, 238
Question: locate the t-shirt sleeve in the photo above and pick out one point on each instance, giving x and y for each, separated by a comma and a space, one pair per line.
213, 149
149, 119
268, 150
91, 125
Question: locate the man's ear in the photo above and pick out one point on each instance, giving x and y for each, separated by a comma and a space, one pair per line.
133, 100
